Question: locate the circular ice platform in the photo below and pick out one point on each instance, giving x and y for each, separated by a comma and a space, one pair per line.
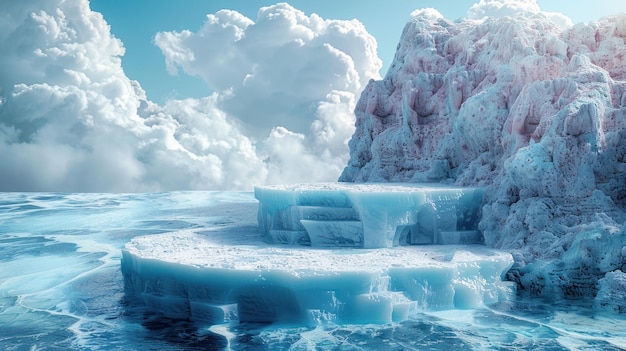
185, 275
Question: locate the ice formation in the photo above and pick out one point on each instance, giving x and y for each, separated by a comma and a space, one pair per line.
369, 215
187, 275
531, 110
355, 253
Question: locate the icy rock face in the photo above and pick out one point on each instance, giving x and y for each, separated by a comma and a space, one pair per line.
533, 111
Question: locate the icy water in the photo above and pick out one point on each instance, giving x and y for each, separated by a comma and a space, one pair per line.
61, 288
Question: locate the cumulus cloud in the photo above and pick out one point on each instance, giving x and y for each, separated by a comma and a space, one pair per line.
70, 119
65, 98
277, 68
503, 8
192, 142
322, 153
428, 13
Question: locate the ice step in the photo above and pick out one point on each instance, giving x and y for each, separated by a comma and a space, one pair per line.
289, 219
334, 233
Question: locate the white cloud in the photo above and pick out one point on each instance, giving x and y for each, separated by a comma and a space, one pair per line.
70, 119
278, 67
319, 156
427, 13
68, 108
191, 142
503, 8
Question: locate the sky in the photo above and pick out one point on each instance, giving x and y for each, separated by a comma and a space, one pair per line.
134, 96
136, 22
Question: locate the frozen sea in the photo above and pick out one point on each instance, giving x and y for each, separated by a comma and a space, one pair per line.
61, 288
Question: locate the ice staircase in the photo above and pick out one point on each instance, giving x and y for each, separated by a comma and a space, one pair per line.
325, 220
369, 215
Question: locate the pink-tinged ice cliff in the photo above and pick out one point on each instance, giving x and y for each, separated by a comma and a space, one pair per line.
530, 107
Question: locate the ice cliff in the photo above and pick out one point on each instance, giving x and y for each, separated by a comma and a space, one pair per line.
533, 110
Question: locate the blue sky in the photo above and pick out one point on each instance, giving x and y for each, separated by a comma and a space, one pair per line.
136, 23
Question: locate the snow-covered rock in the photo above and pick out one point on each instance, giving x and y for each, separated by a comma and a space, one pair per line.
530, 108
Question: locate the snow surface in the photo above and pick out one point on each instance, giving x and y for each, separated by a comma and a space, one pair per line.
369, 215
530, 108
185, 275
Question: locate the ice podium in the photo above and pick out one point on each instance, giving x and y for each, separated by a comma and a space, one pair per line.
330, 253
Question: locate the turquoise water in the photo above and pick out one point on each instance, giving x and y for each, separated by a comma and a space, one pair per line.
61, 288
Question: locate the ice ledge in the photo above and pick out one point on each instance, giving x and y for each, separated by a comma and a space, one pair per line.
183, 275
370, 215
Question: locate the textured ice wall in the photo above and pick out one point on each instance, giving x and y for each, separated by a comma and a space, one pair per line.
534, 111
